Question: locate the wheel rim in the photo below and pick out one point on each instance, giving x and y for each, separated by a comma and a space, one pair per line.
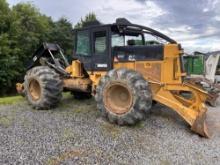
34, 89
118, 98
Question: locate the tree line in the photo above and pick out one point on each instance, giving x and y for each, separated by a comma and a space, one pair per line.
22, 30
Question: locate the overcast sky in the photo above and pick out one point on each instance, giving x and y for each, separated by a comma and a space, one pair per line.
193, 23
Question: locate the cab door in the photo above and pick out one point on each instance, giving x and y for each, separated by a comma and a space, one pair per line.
83, 48
101, 52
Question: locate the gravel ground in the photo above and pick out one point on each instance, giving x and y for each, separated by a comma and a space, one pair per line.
74, 133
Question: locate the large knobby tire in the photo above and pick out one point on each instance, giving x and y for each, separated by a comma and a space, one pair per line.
123, 97
43, 87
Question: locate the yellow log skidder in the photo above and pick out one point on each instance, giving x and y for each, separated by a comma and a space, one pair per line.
125, 72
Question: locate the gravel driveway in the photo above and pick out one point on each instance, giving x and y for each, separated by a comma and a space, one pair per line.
74, 133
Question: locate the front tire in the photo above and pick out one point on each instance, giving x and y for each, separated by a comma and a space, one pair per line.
123, 97
43, 87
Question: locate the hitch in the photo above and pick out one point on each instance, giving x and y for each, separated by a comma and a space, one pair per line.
20, 88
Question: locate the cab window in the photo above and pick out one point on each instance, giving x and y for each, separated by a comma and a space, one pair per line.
100, 43
126, 40
83, 43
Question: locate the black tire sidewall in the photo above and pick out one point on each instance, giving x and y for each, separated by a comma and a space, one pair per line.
51, 87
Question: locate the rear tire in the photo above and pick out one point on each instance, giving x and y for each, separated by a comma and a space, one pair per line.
43, 87
123, 97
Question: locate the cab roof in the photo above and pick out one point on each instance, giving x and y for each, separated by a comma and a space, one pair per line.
122, 24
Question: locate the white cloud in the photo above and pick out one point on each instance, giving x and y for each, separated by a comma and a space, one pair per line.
191, 24
217, 18
205, 45
131, 9
205, 10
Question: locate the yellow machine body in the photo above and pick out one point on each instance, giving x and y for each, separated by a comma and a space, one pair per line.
166, 83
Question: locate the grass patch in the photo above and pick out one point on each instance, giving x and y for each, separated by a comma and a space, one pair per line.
139, 124
67, 134
66, 94
11, 100
5, 121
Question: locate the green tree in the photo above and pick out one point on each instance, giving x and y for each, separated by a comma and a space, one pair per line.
8, 62
62, 34
4, 16
30, 29
22, 30
88, 18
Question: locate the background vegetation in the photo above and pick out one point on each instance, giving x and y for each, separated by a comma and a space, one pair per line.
22, 30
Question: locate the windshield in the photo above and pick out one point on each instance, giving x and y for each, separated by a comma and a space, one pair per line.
141, 39
126, 40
